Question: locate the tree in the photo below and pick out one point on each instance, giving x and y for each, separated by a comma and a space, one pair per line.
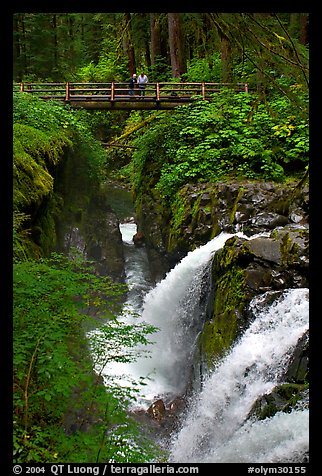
19, 53
221, 22
298, 26
258, 48
155, 34
178, 63
128, 46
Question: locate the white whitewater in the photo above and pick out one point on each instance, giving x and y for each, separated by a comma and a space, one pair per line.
216, 428
172, 306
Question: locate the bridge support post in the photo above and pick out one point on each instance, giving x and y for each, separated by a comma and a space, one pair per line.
203, 90
67, 92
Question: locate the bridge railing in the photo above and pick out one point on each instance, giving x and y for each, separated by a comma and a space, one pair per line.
118, 91
56, 90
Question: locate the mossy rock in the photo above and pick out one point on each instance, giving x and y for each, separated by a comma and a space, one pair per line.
282, 398
230, 301
240, 270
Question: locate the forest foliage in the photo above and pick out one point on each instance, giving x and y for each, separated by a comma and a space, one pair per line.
252, 47
260, 135
62, 412
233, 136
43, 132
53, 297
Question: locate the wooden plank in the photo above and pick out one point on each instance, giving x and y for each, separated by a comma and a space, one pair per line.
125, 105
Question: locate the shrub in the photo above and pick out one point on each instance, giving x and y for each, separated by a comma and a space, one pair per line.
53, 366
232, 135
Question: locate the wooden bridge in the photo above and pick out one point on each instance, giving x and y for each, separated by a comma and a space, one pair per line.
114, 95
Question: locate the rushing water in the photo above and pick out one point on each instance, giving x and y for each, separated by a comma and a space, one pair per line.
173, 306
217, 427
137, 273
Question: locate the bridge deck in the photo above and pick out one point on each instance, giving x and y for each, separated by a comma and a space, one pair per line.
116, 95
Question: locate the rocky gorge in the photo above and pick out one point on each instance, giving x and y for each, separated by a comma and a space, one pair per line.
276, 260
276, 216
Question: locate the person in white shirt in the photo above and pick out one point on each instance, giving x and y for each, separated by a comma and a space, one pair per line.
142, 81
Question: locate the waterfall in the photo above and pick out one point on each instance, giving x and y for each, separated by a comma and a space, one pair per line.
139, 282
216, 428
174, 307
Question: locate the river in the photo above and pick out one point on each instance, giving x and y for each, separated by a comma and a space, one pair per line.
215, 428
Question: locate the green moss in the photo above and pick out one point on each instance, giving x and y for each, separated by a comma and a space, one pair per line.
290, 391
191, 215
47, 225
44, 135
43, 146
285, 248
289, 248
31, 181
230, 300
283, 398
234, 251
181, 218
234, 207
217, 336
33, 188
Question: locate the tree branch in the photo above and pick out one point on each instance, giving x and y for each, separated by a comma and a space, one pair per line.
26, 394
133, 129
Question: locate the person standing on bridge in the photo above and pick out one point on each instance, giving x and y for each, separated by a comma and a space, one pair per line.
132, 83
142, 81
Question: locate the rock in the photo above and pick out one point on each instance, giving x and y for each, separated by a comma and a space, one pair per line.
297, 216
283, 398
269, 220
177, 405
298, 369
104, 244
202, 211
257, 277
243, 269
265, 248
157, 410
138, 238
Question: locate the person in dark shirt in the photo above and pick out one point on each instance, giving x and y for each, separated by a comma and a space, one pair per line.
132, 83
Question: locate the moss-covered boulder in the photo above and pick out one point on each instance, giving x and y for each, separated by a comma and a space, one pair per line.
283, 397
103, 238
35, 156
244, 268
200, 212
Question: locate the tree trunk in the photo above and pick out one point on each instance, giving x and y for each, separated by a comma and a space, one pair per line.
25, 62
176, 45
55, 44
298, 27
128, 47
155, 36
17, 54
226, 70
304, 28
